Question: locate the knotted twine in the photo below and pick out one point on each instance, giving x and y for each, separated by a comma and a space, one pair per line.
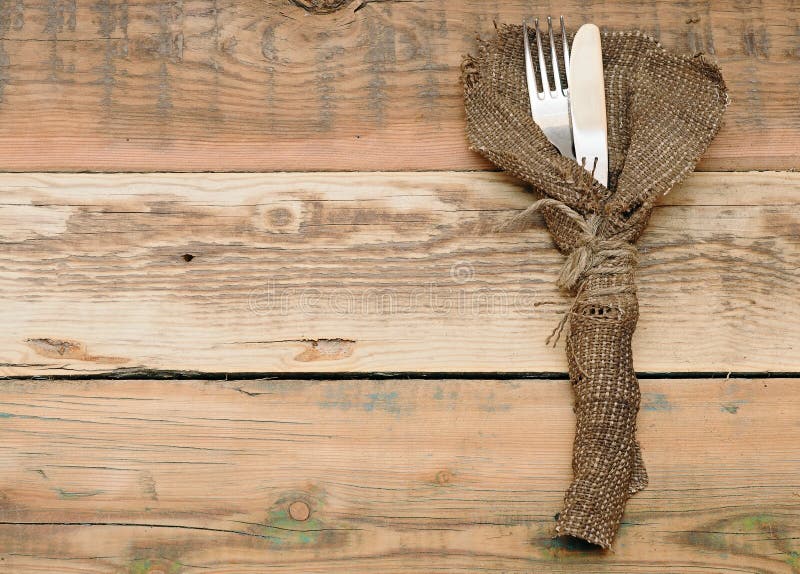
663, 110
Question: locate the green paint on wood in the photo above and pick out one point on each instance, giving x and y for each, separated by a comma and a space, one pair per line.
449, 400
656, 402
283, 530
336, 397
148, 566
387, 401
793, 560
715, 540
5, 415
66, 494
757, 522
344, 405
732, 407
382, 401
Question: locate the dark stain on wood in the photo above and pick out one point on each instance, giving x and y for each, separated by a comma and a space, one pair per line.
708, 34
755, 41
285, 218
17, 16
699, 34
756, 46
380, 59
5, 66
270, 54
444, 477
328, 75
216, 53
280, 217
60, 15
167, 47
112, 18
148, 484
568, 547
268, 42
738, 534
12, 16
429, 31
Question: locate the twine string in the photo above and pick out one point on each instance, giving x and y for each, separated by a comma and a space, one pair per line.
591, 256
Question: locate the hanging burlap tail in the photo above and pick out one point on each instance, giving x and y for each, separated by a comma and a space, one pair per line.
663, 110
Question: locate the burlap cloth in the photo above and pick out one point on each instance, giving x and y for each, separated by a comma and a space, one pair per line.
663, 110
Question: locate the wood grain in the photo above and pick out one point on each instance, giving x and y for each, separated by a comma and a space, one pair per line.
399, 477
371, 272
331, 85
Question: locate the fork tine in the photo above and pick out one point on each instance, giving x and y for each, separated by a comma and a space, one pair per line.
542, 66
553, 56
529, 75
566, 56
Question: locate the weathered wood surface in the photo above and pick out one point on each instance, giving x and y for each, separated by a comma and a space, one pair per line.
371, 272
372, 85
398, 476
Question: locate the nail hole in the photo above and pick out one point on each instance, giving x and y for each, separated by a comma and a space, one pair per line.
188, 256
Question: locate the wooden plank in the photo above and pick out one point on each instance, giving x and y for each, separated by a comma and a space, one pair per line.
372, 85
371, 272
398, 476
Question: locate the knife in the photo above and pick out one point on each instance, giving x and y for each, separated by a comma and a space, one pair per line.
587, 101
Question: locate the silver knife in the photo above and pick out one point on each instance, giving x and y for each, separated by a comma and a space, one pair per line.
587, 101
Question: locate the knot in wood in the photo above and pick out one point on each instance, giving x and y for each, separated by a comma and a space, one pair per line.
299, 510
321, 6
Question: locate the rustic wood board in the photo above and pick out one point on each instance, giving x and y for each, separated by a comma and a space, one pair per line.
371, 272
372, 85
398, 475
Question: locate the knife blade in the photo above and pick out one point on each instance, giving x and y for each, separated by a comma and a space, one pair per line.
588, 101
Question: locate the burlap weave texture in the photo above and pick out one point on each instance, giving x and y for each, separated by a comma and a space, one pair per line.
663, 110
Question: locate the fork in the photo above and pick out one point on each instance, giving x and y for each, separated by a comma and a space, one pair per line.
549, 108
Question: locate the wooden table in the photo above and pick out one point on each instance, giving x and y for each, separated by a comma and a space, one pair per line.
326, 362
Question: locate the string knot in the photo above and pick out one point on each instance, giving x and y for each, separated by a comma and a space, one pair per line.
596, 256
591, 256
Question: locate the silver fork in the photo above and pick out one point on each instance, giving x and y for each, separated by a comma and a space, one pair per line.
550, 108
